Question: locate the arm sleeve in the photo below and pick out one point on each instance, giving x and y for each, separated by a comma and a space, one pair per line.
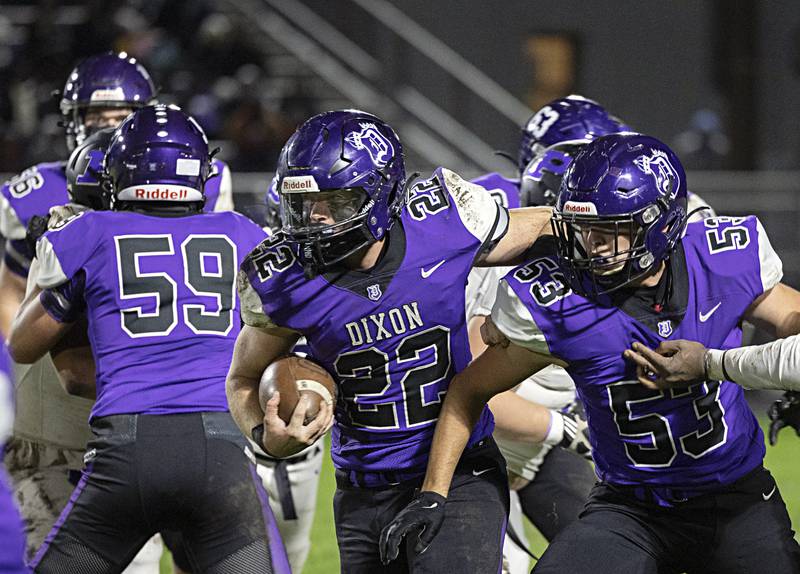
481, 215
770, 264
513, 318
772, 366
225, 198
51, 273
64, 250
482, 290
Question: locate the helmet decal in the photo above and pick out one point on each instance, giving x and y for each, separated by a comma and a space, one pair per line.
541, 121
658, 165
378, 147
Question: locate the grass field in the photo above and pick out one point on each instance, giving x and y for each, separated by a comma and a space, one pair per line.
783, 460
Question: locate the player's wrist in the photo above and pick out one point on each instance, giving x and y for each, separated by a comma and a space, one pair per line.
555, 432
712, 360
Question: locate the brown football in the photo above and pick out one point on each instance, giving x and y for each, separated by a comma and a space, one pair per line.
292, 376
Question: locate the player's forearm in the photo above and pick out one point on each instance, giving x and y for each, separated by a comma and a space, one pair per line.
519, 419
34, 332
525, 226
12, 292
255, 349
242, 393
774, 365
460, 413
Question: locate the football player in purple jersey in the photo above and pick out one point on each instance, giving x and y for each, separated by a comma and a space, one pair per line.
372, 272
100, 92
549, 486
551, 136
50, 431
12, 536
156, 277
682, 487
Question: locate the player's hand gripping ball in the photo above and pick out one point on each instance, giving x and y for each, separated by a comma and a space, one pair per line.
292, 377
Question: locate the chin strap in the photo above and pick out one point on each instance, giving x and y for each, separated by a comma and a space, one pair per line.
663, 295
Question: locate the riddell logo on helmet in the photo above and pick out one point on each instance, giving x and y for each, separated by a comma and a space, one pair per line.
156, 192
106, 95
580, 208
298, 184
168, 194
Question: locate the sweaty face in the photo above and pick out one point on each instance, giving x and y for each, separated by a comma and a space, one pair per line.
99, 118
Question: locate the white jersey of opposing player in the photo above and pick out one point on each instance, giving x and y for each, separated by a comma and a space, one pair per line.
46, 414
551, 387
704, 211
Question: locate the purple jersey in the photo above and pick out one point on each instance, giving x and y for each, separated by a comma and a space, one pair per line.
218, 190
505, 191
12, 539
692, 439
32, 192
161, 303
392, 337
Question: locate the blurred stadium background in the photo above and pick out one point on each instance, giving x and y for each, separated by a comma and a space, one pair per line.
717, 80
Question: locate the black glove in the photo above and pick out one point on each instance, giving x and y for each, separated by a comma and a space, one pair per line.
425, 514
784, 412
37, 226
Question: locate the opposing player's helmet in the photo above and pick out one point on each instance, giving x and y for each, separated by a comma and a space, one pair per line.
107, 80
85, 181
551, 138
627, 184
341, 179
158, 157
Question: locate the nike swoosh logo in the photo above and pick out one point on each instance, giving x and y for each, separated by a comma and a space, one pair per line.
480, 472
704, 316
427, 272
771, 492
434, 505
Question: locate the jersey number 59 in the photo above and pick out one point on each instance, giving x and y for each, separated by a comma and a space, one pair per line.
208, 264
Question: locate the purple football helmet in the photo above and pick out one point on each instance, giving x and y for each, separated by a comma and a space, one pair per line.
341, 179
627, 185
551, 138
85, 182
107, 80
273, 202
158, 159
